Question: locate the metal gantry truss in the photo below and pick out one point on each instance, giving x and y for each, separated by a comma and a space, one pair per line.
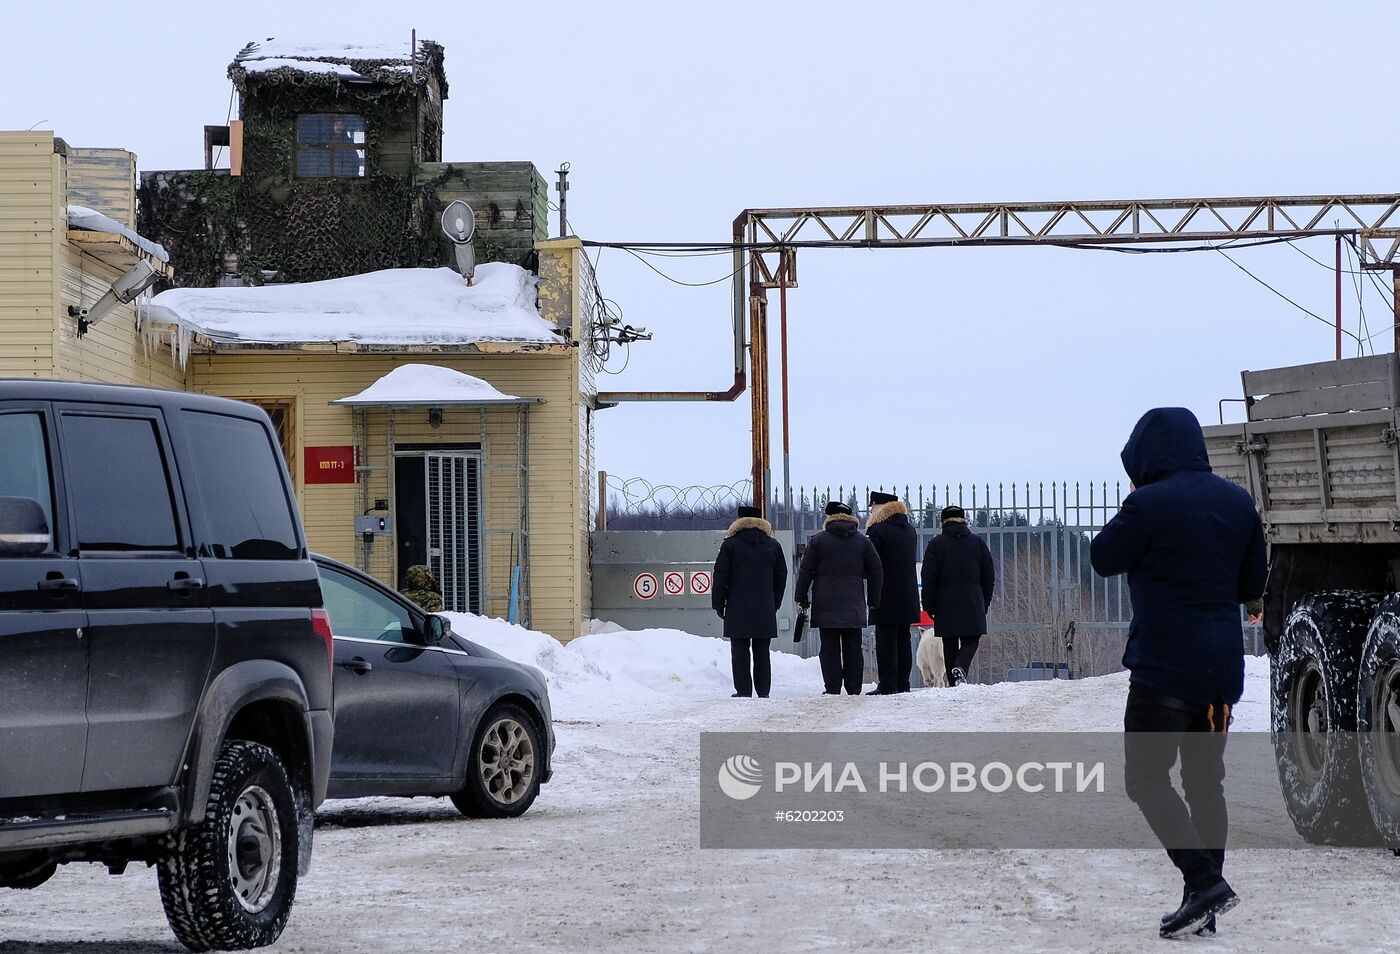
767, 242
1373, 219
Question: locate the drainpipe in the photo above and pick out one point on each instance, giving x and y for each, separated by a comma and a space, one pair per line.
612, 398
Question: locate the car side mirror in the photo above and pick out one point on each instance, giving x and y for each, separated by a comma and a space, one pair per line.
24, 530
435, 629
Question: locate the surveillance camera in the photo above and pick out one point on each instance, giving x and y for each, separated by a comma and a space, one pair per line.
124, 290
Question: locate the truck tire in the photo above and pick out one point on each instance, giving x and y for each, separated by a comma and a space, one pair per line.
504, 765
27, 870
1378, 721
1313, 678
228, 882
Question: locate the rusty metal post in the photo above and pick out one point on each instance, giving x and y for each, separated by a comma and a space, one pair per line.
758, 368
1339, 297
602, 500
1395, 286
782, 313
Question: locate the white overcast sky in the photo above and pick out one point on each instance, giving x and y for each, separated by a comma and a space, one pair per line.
906, 366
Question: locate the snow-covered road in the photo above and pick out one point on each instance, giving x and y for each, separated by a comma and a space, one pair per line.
607, 860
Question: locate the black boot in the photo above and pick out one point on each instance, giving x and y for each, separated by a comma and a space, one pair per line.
1199, 908
1206, 930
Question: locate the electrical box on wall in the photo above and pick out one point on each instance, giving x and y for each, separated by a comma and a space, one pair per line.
372, 524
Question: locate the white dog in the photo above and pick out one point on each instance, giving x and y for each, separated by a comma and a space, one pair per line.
930, 660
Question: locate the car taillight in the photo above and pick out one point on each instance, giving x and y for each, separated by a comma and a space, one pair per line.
321, 626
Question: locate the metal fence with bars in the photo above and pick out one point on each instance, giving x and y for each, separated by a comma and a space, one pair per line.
1051, 611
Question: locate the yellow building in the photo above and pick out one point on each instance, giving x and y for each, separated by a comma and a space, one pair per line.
473, 489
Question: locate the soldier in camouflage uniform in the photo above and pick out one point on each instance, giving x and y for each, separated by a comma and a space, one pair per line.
422, 588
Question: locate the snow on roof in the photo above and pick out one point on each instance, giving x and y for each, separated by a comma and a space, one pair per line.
397, 306
89, 220
429, 384
263, 56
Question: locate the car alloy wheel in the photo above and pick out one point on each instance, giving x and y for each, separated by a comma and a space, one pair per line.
507, 761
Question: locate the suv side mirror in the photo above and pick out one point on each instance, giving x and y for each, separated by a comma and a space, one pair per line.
24, 530
435, 629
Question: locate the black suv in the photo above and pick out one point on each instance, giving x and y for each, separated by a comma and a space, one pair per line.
165, 680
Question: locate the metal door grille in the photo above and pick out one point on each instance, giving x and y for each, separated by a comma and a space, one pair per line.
453, 496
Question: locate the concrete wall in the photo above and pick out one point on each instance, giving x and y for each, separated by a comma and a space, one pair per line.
619, 556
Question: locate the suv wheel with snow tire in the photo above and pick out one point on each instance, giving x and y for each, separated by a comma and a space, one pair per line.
1313, 678
503, 770
228, 882
1378, 720
27, 870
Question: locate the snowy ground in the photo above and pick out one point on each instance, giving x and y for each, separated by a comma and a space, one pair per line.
607, 858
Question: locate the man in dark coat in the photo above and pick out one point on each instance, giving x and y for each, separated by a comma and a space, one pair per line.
958, 582
839, 577
1193, 548
896, 542
750, 579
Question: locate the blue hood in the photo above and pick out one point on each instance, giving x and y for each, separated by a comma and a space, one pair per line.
1166, 441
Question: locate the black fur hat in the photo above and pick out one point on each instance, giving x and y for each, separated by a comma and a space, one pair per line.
952, 513
834, 507
878, 497
749, 512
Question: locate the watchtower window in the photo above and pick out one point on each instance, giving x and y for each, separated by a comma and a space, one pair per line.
331, 144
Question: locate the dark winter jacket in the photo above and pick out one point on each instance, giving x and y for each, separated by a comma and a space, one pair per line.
750, 578
1193, 548
959, 580
897, 544
840, 575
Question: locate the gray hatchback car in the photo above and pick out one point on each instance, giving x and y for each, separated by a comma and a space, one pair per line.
420, 710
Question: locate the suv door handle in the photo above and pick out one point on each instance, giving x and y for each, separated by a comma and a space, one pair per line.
357, 665
59, 586
186, 584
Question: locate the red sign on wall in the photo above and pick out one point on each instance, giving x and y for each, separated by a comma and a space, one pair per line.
329, 465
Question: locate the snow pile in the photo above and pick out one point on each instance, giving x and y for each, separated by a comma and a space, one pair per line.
322, 57
397, 306
90, 220
612, 672
625, 668
427, 384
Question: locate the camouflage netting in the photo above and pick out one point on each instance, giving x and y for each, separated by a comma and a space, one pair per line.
288, 229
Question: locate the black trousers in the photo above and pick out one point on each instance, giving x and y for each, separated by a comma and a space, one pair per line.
761, 676
958, 652
894, 655
843, 662
1157, 728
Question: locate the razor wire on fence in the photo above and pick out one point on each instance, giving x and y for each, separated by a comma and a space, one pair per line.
634, 503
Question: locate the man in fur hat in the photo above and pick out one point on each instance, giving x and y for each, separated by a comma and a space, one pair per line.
896, 542
750, 578
959, 580
839, 577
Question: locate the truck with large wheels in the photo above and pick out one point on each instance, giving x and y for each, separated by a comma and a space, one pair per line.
1319, 452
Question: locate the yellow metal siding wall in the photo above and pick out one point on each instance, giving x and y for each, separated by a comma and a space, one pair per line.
312, 381
104, 180
112, 351
30, 208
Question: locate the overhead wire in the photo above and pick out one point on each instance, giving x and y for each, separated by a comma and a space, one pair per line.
1308, 312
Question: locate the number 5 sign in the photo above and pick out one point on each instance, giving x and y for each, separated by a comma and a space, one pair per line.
644, 587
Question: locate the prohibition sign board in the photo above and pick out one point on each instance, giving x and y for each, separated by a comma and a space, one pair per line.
644, 586
674, 583
700, 583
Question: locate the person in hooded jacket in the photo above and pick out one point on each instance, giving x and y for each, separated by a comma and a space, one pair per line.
1193, 548
749, 581
840, 575
959, 580
896, 543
